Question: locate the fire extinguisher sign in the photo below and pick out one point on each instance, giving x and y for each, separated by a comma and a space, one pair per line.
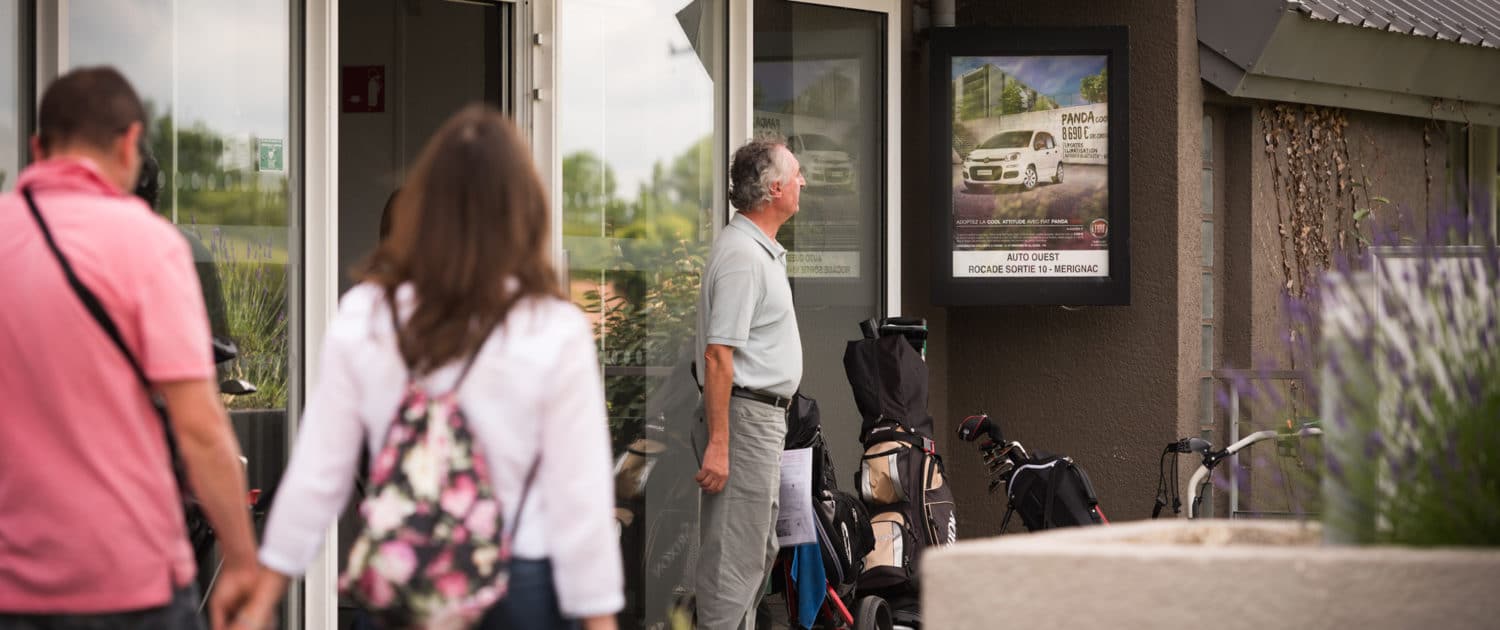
363, 89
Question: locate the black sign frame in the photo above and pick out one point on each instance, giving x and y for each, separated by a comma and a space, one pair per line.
948, 43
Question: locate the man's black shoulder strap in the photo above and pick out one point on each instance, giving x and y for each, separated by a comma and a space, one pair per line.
96, 309
90, 301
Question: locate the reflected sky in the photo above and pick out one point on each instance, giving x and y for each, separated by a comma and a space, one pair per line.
231, 60
631, 88
1057, 76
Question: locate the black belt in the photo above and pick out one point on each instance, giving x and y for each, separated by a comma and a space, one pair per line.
780, 402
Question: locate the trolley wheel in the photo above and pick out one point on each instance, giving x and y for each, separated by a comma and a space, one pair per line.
873, 613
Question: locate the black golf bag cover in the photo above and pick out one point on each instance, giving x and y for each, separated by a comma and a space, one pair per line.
804, 422
901, 477
804, 430
889, 380
1050, 491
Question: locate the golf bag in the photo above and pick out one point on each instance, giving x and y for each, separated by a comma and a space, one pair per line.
1050, 491
901, 477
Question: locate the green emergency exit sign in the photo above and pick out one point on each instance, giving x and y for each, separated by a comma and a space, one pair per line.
271, 156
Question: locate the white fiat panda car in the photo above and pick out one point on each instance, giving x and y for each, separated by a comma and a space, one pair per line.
824, 162
1021, 156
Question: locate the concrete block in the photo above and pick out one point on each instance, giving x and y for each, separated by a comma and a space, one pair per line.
1209, 573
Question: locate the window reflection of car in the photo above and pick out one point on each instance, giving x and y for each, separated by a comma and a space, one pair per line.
1021, 156
824, 162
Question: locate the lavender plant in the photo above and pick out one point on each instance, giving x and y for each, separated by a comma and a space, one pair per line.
254, 284
1404, 346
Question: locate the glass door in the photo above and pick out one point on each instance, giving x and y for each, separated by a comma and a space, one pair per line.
218, 103
405, 67
820, 82
14, 88
634, 128
641, 135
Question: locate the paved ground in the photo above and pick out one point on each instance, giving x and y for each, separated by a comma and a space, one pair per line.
1082, 195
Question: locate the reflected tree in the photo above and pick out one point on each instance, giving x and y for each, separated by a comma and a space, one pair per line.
636, 267
220, 199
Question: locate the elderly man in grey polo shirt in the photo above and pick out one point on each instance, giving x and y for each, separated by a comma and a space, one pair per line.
752, 366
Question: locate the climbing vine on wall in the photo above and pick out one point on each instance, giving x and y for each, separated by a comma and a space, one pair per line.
1319, 196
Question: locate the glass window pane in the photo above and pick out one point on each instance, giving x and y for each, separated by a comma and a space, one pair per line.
1206, 400
641, 133
638, 134
1206, 232
1208, 348
1208, 141
819, 80
11, 145
218, 106
1207, 203
1208, 296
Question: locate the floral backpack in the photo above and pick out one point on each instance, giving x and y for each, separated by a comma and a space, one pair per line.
433, 551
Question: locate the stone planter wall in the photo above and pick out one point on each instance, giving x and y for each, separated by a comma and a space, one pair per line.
1205, 574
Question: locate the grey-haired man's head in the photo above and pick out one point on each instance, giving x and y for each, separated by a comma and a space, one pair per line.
763, 173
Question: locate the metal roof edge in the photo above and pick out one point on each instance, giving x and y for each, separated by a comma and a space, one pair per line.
1269, 88
1301, 59
1325, 52
1219, 70
1238, 30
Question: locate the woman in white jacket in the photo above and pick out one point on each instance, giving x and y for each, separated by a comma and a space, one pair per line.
468, 270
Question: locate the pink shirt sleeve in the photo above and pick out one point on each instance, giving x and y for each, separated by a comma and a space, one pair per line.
173, 328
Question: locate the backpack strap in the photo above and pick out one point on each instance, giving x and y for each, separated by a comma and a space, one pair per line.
468, 363
515, 525
463, 373
101, 316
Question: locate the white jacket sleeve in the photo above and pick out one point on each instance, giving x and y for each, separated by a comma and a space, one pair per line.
320, 476
576, 475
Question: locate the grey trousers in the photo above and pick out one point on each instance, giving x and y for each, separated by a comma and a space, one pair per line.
738, 525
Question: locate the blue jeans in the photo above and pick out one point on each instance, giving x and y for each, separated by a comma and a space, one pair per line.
179, 613
530, 602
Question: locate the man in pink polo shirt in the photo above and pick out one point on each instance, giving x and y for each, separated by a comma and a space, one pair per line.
91, 527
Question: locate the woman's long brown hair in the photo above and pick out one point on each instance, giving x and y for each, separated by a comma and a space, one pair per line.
470, 233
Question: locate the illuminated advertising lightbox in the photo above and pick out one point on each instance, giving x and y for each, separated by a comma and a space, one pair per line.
1030, 165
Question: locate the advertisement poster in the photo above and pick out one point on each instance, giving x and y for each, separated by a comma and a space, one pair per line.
811, 103
1030, 174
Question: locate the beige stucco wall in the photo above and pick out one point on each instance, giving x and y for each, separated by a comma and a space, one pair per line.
1392, 156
